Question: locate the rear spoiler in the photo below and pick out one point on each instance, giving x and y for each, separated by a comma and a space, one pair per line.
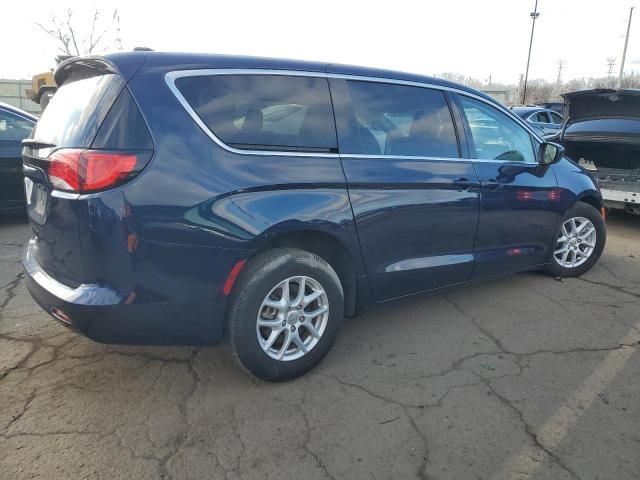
82, 67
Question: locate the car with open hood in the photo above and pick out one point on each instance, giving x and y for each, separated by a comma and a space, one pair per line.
602, 134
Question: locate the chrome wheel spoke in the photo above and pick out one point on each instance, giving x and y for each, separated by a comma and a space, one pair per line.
285, 344
298, 341
279, 305
588, 232
269, 323
300, 294
312, 330
273, 336
582, 226
315, 313
286, 292
311, 297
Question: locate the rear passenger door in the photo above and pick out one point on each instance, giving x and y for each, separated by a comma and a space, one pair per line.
415, 199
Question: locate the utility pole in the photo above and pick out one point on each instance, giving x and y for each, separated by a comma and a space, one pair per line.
624, 52
534, 16
561, 65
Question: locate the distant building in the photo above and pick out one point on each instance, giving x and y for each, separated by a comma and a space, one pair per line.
498, 93
14, 92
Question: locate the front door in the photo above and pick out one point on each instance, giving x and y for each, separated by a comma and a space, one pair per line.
415, 199
519, 198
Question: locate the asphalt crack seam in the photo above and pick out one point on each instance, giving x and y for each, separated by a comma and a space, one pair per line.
161, 462
613, 287
10, 287
308, 449
405, 408
182, 407
530, 433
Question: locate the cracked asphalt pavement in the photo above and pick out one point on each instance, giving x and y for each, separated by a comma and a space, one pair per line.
521, 378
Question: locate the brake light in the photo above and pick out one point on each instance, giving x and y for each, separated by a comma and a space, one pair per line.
92, 170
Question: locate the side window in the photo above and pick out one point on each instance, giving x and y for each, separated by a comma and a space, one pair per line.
13, 128
555, 118
541, 117
384, 119
272, 112
495, 135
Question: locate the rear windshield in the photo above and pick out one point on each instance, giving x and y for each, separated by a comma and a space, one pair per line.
76, 111
272, 112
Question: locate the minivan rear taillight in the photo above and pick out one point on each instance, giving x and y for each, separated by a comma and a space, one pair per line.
80, 170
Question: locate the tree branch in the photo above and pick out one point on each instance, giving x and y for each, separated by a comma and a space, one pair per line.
72, 31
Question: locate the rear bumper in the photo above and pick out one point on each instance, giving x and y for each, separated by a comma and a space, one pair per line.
104, 315
622, 197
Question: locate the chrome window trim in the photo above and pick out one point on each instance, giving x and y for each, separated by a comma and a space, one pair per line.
404, 157
532, 120
171, 77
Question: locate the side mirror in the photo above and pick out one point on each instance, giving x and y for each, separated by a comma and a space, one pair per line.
550, 153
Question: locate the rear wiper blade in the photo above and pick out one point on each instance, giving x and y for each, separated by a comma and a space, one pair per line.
30, 142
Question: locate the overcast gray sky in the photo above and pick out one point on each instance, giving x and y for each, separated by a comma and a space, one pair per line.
472, 37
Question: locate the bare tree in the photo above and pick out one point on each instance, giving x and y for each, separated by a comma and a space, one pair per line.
103, 32
540, 91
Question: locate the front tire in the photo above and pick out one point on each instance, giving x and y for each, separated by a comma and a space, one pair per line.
579, 242
284, 314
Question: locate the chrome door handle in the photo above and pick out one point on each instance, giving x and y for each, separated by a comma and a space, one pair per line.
465, 184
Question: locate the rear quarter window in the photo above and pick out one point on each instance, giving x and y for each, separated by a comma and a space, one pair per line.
77, 109
271, 112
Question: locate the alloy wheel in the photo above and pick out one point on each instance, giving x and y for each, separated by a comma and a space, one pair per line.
576, 242
292, 318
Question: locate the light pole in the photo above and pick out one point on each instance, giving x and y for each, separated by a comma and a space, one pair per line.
624, 52
534, 15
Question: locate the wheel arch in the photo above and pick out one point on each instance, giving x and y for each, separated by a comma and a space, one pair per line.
332, 250
592, 200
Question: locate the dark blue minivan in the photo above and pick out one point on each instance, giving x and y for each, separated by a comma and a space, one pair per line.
193, 199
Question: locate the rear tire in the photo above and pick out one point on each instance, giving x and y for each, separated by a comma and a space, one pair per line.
579, 242
266, 310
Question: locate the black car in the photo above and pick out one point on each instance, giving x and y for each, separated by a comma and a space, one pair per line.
15, 125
